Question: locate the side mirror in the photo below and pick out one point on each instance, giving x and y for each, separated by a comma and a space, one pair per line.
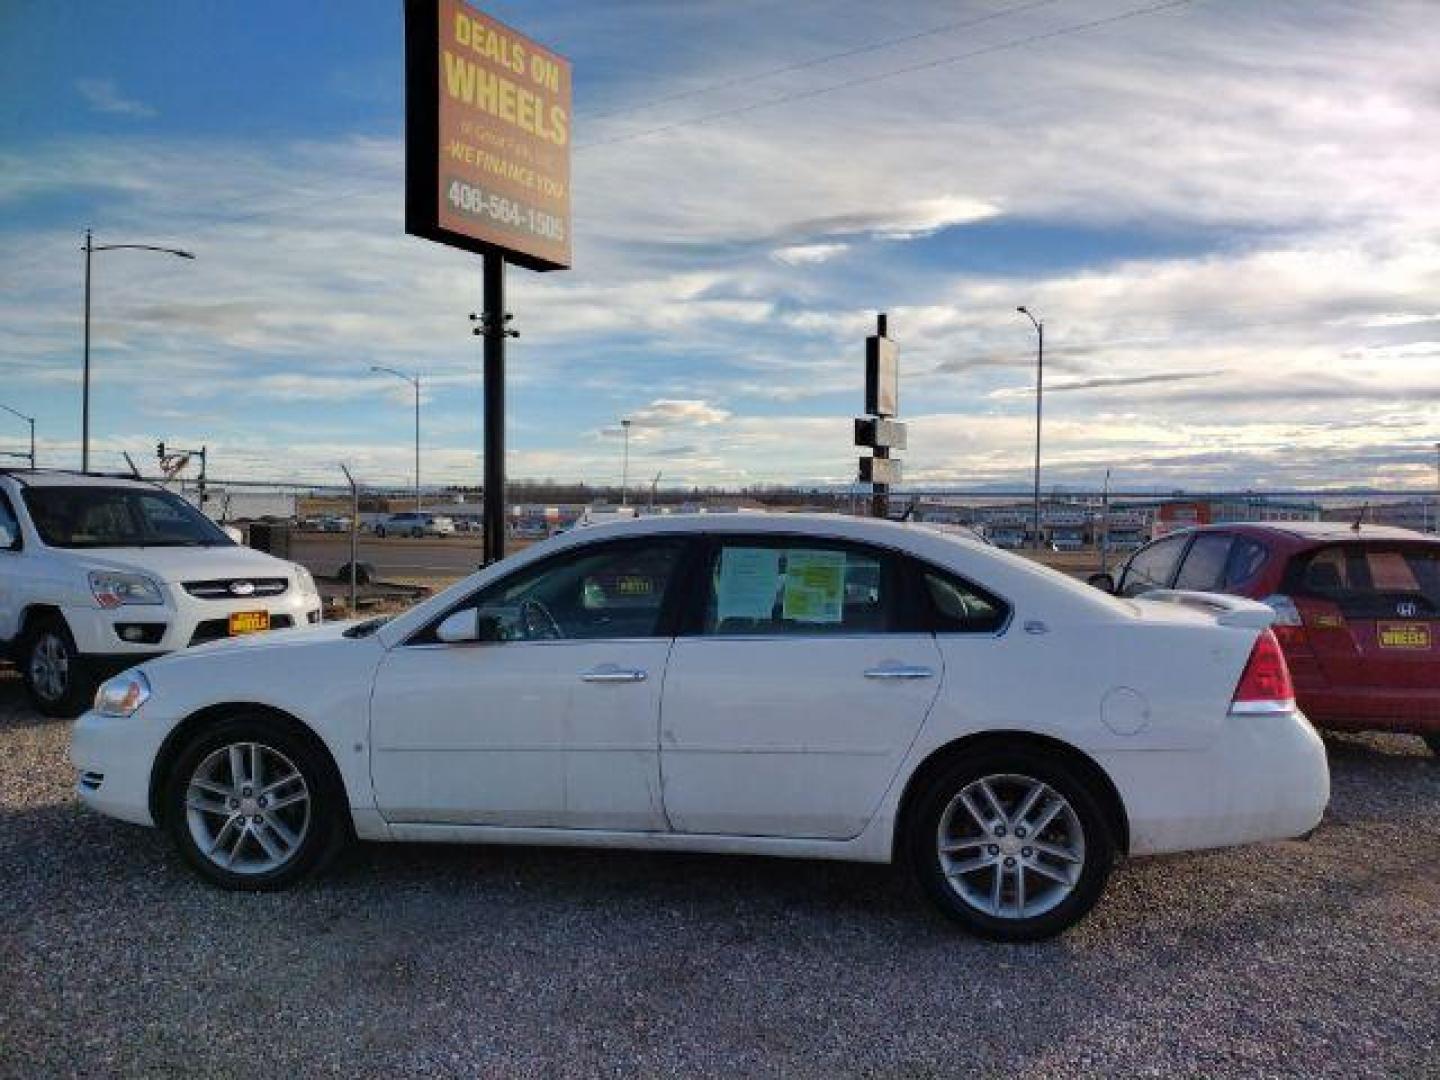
459, 627
7, 538
1103, 582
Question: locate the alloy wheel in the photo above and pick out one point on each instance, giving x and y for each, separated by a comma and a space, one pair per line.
1011, 846
248, 808
50, 666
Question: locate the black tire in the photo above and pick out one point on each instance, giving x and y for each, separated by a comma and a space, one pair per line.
1085, 813
48, 641
417, 533
380, 532
326, 825
1432, 740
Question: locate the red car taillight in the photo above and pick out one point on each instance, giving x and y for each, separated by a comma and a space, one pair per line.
1265, 686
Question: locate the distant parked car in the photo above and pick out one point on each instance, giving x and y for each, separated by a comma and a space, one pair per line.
417, 525
97, 574
816, 686
335, 523
1357, 610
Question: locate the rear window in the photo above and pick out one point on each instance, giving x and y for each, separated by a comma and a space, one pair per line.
1372, 580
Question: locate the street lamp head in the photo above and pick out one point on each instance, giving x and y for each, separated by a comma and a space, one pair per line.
182, 254
1023, 309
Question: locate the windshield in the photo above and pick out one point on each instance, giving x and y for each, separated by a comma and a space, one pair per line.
96, 517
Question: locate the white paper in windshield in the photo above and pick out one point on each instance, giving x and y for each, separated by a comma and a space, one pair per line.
749, 582
814, 586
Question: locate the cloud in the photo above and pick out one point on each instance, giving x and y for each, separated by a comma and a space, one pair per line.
808, 254
1106, 382
105, 97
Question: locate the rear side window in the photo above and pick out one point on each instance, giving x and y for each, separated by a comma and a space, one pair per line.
8, 524
957, 607
1204, 566
1247, 559
1151, 567
802, 588
1372, 580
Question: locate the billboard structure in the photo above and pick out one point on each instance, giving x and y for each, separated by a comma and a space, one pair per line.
487, 170
487, 139
879, 430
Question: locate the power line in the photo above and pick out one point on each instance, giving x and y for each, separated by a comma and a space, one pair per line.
799, 95
801, 65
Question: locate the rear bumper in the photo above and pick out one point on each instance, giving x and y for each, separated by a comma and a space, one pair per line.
1415, 712
1264, 778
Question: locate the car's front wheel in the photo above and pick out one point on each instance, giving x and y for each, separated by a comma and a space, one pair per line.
1014, 846
56, 676
252, 805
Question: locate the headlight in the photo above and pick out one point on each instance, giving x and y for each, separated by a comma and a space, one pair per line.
122, 695
113, 589
307, 582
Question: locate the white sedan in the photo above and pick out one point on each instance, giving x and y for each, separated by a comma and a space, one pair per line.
808, 686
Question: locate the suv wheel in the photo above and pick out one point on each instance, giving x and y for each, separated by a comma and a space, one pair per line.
54, 672
380, 531
253, 806
1011, 845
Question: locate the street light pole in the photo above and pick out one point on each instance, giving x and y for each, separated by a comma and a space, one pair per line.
29, 420
414, 381
90, 248
625, 462
1039, 398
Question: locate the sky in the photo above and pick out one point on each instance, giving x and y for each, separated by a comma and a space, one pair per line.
1226, 212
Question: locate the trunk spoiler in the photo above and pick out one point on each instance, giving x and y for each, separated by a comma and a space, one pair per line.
1228, 610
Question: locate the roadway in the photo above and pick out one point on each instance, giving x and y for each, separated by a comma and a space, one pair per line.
432, 559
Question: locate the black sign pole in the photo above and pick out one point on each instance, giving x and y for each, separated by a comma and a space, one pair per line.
495, 332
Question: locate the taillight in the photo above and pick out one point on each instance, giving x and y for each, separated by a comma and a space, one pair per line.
1265, 686
1289, 627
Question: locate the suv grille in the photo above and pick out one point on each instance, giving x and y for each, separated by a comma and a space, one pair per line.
223, 588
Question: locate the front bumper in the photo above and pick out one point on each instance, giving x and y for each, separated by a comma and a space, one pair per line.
190, 622
1263, 778
113, 757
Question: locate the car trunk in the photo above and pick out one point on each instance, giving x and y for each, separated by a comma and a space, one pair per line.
1371, 613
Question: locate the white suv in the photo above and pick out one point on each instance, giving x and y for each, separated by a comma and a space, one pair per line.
416, 525
97, 574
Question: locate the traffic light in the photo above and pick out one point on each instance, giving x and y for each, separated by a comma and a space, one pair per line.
160, 450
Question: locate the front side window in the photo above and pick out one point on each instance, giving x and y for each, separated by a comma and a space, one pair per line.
778, 587
1152, 567
602, 591
94, 517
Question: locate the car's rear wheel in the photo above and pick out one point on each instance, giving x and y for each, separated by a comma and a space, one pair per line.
56, 676
417, 533
1014, 846
252, 805
380, 532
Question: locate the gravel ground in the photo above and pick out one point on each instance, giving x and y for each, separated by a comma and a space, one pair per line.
1313, 959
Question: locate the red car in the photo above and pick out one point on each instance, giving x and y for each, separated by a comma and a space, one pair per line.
1357, 610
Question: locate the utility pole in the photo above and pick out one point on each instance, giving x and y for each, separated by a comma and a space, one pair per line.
624, 461
1105, 523
414, 381
653, 485
90, 248
29, 420
1039, 398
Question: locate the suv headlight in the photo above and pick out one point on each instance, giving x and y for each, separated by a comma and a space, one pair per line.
306, 580
122, 695
113, 589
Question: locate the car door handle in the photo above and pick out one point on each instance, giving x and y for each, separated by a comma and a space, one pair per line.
613, 673
899, 671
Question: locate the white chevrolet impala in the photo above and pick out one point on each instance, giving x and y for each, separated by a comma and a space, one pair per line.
808, 686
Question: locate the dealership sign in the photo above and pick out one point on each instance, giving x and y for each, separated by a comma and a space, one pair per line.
487, 141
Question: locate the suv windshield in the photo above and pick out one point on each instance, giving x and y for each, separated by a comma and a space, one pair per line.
96, 517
